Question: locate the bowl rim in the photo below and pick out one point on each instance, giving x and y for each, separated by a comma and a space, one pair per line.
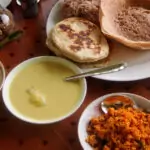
99, 100
3, 74
27, 62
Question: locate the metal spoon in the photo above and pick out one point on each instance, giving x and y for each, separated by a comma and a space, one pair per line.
103, 70
119, 101
116, 102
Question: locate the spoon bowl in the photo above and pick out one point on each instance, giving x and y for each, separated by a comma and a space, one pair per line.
117, 101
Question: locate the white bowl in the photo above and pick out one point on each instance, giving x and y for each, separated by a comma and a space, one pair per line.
2, 75
13, 73
92, 110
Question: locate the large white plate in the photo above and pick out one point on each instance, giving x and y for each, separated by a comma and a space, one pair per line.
138, 61
92, 110
5, 3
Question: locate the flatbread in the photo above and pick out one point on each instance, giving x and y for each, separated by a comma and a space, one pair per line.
79, 40
51, 45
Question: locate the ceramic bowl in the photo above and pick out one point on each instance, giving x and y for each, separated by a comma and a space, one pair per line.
16, 70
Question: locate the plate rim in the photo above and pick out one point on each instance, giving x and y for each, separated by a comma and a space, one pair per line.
101, 77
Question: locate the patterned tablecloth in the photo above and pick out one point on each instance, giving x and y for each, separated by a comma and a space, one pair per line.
18, 135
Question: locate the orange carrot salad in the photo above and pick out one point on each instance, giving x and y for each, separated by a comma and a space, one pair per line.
122, 129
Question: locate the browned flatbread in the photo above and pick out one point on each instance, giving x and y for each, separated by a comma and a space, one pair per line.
51, 45
79, 40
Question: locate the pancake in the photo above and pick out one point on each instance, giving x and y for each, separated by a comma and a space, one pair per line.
126, 21
100, 63
51, 45
79, 40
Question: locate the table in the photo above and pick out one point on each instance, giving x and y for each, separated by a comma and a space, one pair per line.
18, 135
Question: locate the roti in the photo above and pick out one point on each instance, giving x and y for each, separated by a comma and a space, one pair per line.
100, 63
79, 40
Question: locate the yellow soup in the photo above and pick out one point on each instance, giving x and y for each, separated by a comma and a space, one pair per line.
39, 91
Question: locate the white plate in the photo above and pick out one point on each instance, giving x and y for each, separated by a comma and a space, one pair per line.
5, 3
93, 111
138, 61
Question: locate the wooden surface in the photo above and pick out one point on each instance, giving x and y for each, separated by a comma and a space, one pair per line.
18, 135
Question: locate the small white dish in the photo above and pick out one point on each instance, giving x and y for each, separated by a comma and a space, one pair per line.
17, 69
5, 3
93, 110
2, 75
138, 61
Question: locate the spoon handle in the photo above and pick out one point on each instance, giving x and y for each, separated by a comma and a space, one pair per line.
103, 70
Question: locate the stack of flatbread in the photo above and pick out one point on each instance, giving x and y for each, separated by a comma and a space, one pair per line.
79, 40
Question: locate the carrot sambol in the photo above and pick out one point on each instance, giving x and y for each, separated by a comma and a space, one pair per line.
122, 129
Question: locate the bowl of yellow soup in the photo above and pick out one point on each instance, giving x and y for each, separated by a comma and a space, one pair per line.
35, 91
